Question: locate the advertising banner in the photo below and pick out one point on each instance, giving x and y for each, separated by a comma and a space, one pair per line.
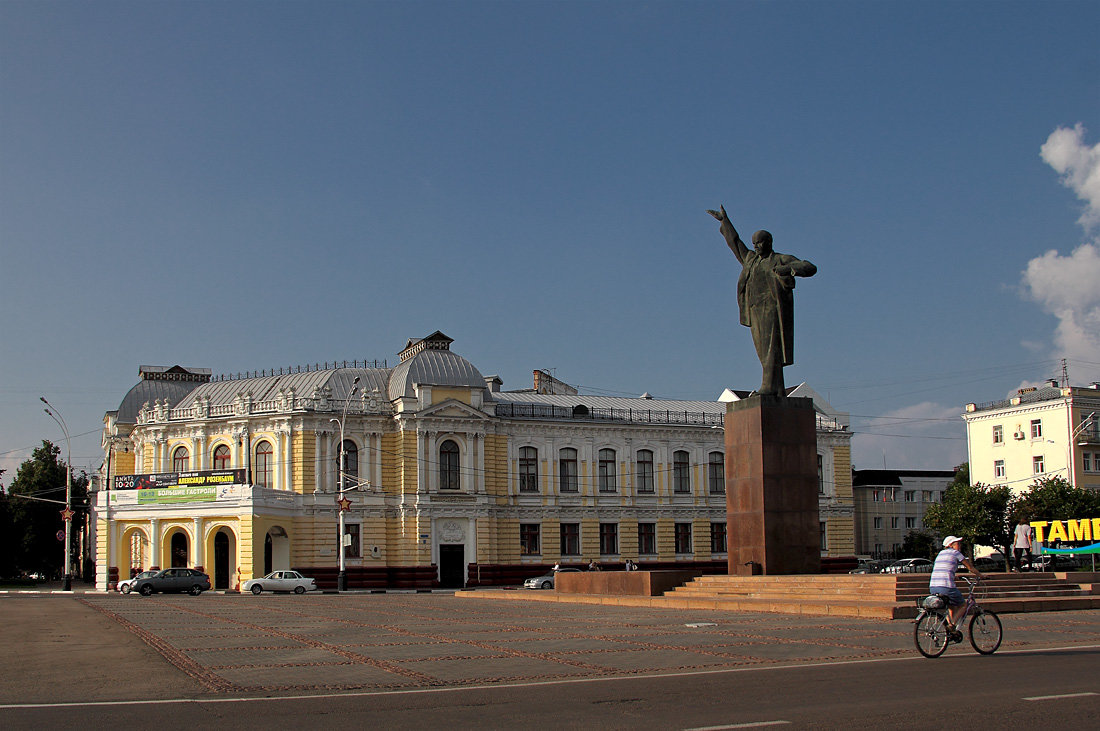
203, 478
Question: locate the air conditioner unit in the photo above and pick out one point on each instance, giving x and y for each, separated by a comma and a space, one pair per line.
1018, 435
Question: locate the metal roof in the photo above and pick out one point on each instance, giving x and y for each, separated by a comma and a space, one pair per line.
434, 368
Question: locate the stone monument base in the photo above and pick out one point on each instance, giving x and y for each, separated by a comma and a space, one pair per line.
771, 487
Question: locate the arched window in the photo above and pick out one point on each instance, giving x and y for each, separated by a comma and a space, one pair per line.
351, 463
716, 474
567, 470
221, 457
264, 464
448, 466
644, 472
607, 481
528, 469
681, 472
179, 459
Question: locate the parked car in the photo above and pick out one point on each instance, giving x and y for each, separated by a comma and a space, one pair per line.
909, 566
546, 581
192, 581
127, 585
281, 581
1054, 562
870, 567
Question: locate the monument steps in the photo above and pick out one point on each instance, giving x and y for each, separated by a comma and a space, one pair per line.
875, 596
889, 596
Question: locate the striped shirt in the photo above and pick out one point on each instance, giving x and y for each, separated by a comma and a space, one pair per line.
943, 570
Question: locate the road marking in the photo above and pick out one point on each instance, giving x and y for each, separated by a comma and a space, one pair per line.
738, 725
534, 684
1058, 697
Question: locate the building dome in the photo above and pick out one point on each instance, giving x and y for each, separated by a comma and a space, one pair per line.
430, 362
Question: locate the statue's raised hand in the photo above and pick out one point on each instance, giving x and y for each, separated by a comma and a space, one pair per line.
719, 215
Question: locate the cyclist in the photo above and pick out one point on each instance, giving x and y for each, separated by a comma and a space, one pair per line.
943, 581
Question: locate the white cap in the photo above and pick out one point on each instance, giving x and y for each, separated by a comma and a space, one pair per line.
949, 540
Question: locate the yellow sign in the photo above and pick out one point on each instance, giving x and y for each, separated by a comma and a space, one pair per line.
1084, 529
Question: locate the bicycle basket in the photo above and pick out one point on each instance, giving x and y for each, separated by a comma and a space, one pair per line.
932, 602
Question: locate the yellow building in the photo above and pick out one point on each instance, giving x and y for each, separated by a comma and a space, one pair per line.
1039, 432
449, 480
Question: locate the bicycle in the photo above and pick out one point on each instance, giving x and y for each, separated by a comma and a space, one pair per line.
931, 631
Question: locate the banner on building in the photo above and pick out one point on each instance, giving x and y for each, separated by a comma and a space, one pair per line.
161, 480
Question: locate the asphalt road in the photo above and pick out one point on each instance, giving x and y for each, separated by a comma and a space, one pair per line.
410, 662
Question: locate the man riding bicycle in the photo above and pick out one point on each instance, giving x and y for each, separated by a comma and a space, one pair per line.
943, 581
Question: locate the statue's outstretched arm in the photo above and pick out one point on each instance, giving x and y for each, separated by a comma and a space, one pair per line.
737, 246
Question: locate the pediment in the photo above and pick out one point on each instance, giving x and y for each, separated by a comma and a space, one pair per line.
452, 409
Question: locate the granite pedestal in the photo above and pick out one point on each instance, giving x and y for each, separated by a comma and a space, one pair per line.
771, 487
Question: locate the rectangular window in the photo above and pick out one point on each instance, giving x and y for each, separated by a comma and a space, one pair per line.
683, 537
878, 523
998, 434
528, 469
875, 495
820, 476
999, 469
644, 472
1087, 459
681, 472
1037, 465
570, 539
567, 470
1036, 428
607, 470
716, 474
529, 543
910, 496
609, 539
927, 496
351, 543
647, 539
911, 523
717, 537
824, 536
894, 523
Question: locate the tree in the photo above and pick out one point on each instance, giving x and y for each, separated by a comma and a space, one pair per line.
36, 499
918, 544
977, 513
1054, 498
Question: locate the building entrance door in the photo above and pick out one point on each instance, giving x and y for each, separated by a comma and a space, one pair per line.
452, 566
221, 561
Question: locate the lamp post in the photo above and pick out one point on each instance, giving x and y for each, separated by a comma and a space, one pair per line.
343, 502
67, 515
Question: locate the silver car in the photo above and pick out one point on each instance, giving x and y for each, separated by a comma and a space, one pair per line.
127, 585
281, 581
546, 581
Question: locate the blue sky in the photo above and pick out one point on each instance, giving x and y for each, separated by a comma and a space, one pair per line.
248, 185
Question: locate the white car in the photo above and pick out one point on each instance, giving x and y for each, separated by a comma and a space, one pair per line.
546, 581
127, 585
281, 581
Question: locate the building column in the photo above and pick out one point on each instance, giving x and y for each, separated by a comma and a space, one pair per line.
198, 550
154, 543
421, 461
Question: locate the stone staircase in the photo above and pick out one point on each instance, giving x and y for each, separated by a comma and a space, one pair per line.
883, 596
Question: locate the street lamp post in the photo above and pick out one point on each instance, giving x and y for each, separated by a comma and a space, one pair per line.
1087, 424
342, 577
67, 585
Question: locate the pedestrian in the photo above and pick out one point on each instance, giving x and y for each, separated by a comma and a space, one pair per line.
1021, 543
593, 565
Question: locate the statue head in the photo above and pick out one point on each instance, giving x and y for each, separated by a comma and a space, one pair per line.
762, 242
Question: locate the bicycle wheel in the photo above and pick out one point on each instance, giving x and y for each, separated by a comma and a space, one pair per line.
985, 632
930, 635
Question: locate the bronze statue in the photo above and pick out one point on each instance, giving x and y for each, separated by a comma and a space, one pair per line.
765, 296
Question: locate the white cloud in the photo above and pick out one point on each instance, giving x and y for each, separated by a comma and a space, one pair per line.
1079, 165
1068, 287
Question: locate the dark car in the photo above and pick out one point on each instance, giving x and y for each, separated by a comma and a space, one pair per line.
192, 581
870, 567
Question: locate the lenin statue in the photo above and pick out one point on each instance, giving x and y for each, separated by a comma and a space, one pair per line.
765, 297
